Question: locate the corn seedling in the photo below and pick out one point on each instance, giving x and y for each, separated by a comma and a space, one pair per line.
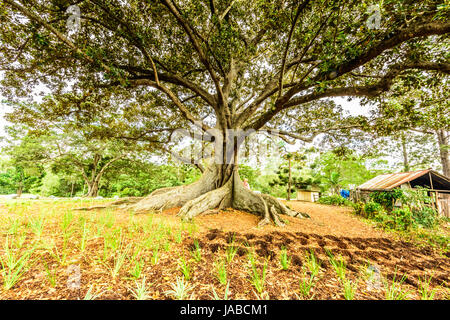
84, 235
155, 254
180, 289
192, 228
14, 225
119, 261
285, 261
58, 256
305, 285
231, 252
137, 269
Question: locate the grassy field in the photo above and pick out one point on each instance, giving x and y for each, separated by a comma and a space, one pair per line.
50, 250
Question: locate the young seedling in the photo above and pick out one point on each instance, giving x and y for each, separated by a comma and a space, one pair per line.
51, 276
349, 289
180, 289
37, 226
306, 284
221, 271
84, 235
426, 293
155, 254
14, 265
338, 266
14, 225
225, 297
394, 289
119, 261
197, 252
256, 278
185, 268
91, 296
231, 252
141, 291
285, 261
313, 264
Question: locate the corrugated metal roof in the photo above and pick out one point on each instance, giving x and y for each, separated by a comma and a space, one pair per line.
391, 180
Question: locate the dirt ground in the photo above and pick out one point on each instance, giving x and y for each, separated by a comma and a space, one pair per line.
330, 229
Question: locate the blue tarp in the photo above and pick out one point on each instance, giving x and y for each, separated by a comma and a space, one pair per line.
345, 193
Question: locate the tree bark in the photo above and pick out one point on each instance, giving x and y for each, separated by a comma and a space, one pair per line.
444, 153
92, 189
219, 187
405, 154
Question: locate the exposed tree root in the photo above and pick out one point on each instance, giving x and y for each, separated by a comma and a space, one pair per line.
177, 196
205, 203
204, 197
121, 202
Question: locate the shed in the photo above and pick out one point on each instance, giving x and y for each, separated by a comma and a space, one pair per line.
309, 195
438, 185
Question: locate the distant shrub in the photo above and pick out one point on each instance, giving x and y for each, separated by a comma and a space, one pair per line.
335, 200
358, 208
426, 216
371, 209
129, 192
387, 198
403, 218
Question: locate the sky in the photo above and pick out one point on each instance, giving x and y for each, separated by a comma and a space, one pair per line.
353, 107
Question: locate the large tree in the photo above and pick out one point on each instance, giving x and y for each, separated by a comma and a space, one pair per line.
226, 68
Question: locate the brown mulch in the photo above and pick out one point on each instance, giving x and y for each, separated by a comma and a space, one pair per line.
330, 229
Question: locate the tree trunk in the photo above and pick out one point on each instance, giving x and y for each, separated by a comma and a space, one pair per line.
289, 181
405, 154
219, 187
92, 189
19, 191
444, 153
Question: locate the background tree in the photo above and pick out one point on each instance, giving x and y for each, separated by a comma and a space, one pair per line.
24, 169
212, 66
418, 110
342, 168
